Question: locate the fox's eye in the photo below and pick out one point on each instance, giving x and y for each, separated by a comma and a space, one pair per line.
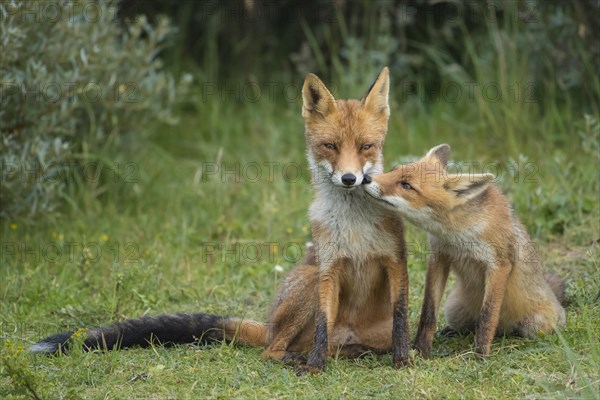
366, 146
329, 146
406, 185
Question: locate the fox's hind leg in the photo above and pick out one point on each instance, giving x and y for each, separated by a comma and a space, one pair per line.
329, 297
285, 328
489, 316
542, 322
292, 317
547, 313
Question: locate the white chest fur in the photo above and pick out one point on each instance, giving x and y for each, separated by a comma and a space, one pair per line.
353, 225
464, 248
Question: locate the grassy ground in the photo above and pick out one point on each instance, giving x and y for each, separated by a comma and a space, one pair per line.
160, 232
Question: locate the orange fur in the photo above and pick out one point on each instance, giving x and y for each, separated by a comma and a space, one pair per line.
501, 287
351, 295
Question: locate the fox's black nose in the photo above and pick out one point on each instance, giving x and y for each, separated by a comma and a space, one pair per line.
348, 179
367, 179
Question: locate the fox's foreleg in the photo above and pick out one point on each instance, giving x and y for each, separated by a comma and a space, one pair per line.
435, 283
398, 280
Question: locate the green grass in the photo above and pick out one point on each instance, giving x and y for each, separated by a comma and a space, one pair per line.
152, 226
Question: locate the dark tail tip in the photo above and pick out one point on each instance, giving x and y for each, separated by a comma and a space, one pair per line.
53, 344
165, 329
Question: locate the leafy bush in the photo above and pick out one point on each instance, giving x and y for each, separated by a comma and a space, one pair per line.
74, 81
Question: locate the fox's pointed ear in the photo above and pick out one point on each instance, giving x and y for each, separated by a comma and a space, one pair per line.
441, 153
316, 99
467, 186
376, 99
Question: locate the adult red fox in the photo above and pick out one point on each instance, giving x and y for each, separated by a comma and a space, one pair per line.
501, 287
351, 295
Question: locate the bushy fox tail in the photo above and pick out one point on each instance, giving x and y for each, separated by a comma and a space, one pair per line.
557, 284
165, 330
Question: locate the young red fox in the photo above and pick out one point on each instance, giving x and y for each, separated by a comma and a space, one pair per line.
501, 288
351, 295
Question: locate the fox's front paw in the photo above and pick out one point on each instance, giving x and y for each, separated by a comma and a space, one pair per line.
482, 351
304, 369
424, 349
482, 346
400, 363
294, 359
316, 363
400, 356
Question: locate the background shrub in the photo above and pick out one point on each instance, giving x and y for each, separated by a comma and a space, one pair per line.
74, 83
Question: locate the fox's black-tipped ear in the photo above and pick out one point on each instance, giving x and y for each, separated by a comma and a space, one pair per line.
376, 99
442, 153
316, 99
468, 186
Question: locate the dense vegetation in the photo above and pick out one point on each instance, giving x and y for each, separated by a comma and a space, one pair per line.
112, 208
